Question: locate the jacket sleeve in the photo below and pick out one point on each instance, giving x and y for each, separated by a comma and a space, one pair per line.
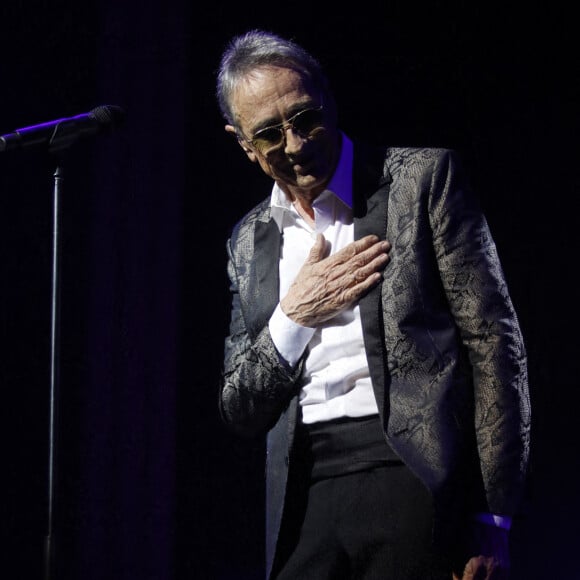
477, 292
257, 385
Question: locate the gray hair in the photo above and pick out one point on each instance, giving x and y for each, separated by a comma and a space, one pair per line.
258, 48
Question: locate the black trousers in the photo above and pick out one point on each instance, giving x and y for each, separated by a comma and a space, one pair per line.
354, 512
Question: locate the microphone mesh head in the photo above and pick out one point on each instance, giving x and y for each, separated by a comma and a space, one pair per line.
108, 115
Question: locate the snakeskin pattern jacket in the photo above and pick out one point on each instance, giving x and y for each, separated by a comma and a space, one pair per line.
443, 342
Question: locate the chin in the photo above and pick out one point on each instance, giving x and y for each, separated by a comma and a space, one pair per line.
308, 183
310, 180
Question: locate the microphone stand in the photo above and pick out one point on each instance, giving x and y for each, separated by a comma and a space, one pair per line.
61, 140
54, 367
61, 135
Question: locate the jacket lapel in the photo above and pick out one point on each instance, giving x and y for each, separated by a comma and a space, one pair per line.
263, 283
370, 205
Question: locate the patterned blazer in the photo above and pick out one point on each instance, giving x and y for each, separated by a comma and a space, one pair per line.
444, 346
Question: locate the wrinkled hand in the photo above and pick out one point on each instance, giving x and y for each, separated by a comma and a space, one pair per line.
482, 568
495, 564
326, 285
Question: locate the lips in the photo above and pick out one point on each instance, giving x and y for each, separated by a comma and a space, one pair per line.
303, 166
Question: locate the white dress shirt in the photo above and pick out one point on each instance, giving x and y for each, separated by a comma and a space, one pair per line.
336, 374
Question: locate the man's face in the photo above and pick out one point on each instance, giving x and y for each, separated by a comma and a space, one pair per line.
304, 160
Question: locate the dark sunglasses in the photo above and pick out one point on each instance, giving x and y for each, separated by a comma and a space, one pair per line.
304, 123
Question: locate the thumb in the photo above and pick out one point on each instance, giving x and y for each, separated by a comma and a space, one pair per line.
318, 250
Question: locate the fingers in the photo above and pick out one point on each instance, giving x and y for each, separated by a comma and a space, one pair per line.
359, 263
326, 286
367, 246
361, 250
369, 263
318, 250
355, 266
483, 568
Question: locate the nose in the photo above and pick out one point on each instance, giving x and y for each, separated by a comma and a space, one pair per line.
292, 140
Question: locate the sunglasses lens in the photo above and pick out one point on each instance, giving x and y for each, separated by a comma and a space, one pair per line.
267, 138
307, 121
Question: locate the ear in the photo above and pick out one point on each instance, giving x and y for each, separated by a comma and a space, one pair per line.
249, 152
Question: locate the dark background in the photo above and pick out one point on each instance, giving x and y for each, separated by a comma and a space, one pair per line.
148, 484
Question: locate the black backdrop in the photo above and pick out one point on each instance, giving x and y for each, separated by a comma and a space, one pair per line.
148, 483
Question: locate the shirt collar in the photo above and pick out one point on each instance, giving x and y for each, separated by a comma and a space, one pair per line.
339, 185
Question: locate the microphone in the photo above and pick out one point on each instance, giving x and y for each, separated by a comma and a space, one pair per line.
61, 133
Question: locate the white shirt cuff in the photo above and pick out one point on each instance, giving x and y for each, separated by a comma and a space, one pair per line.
504, 522
289, 337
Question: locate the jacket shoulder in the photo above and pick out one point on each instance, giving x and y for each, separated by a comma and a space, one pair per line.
247, 224
405, 156
422, 163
